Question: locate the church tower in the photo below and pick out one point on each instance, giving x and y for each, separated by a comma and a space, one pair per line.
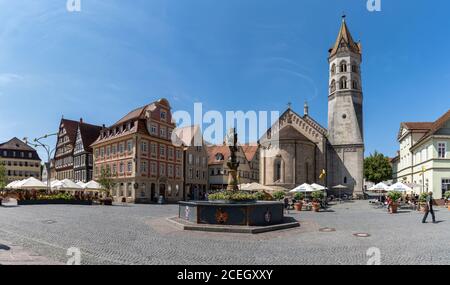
345, 113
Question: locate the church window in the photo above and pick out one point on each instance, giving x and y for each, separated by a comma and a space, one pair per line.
343, 83
345, 180
343, 66
278, 171
355, 84
333, 69
354, 68
333, 86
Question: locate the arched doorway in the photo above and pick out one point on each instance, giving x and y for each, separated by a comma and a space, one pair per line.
162, 190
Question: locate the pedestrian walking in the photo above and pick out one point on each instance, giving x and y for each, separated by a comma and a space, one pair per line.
429, 209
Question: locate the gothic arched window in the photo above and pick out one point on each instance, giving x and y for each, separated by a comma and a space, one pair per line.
343, 83
355, 84
333, 69
343, 66
332, 86
354, 67
278, 170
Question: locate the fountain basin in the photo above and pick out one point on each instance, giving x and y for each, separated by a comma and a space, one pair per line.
260, 213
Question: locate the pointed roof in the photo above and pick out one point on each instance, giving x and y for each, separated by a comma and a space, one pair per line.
89, 134
434, 127
345, 37
16, 144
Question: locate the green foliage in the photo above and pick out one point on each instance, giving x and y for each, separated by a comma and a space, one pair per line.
58, 196
317, 196
447, 195
279, 195
394, 195
423, 197
231, 196
299, 196
262, 196
106, 180
377, 168
3, 181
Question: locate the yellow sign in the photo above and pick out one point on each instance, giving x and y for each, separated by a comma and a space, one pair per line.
323, 174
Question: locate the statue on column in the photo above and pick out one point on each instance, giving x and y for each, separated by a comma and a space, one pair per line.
233, 164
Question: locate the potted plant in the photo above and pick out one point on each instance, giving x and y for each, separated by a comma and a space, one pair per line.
299, 204
317, 197
423, 207
279, 195
394, 196
447, 198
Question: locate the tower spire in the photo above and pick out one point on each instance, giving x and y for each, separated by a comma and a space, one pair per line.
344, 38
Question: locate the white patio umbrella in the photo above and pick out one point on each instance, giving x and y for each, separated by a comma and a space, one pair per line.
255, 187
12, 184
380, 187
30, 184
92, 186
340, 188
81, 184
400, 187
304, 188
318, 187
66, 185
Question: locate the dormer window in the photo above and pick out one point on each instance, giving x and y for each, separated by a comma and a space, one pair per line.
163, 115
220, 157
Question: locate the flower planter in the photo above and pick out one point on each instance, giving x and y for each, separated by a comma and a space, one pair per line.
298, 206
394, 208
316, 207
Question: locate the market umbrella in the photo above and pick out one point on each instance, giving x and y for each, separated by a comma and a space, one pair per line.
304, 188
379, 188
66, 185
92, 186
81, 184
318, 187
400, 187
340, 188
12, 184
255, 187
30, 184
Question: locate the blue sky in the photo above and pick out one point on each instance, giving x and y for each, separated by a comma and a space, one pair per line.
116, 55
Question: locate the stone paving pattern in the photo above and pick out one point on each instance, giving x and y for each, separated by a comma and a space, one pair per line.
141, 234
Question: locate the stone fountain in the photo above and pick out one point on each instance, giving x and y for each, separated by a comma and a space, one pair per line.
233, 216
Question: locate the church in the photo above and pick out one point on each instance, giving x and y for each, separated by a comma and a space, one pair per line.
297, 149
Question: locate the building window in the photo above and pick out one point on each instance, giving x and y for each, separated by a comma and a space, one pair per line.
191, 159
333, 69
445, 186
144, 146
355, 84
162, 132
129, 146
163, 115
345, 180
442, 149
121, 167
170, 170
162, 151
129, 166
144, 167
332, 86
343, 83
343, 66
153, 168
162, 169
153, 129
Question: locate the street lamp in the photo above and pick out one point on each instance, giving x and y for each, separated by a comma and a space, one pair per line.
37, 143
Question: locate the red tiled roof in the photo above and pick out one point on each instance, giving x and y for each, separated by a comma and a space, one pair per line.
16, 144
418, 125
250, 151
435, 126
71, 129
216, 149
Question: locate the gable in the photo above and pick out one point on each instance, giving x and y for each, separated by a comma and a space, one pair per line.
444, 129
291, 125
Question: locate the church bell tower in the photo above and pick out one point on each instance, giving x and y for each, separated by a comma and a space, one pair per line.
345, 113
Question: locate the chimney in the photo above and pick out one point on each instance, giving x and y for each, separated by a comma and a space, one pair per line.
306, 109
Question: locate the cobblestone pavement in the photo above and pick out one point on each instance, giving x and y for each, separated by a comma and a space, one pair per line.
140, 234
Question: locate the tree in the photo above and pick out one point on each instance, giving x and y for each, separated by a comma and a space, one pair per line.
3, 180
377, 168
106, 181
